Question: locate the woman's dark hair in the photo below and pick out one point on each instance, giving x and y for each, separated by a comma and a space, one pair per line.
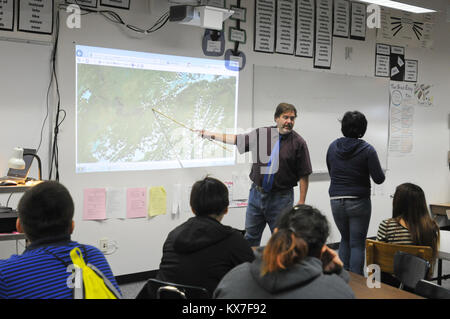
354, 124
283, 108
409, 203
302, 231
209, 196
46, 210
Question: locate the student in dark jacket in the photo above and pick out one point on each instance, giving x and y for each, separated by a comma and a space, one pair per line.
295, 264
202, 250
351, 163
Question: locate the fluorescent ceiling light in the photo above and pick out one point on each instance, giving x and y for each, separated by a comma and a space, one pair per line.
399, 6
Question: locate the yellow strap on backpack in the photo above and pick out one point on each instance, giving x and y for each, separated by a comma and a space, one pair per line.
94, 286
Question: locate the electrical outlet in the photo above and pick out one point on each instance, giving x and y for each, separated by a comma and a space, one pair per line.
103, 243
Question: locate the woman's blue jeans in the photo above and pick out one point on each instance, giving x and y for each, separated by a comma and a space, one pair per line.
352, 218
264, 208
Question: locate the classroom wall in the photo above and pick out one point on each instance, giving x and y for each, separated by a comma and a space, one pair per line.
140, 241
24, 81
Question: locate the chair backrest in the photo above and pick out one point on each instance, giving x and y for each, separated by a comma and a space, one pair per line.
158, 289
409, 269
431, 290
382, 254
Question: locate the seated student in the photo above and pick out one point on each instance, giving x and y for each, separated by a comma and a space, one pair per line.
202, 250
45, 216
295, 264
411, 223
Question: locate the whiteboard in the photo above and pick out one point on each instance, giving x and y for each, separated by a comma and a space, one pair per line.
321, 99
24, 80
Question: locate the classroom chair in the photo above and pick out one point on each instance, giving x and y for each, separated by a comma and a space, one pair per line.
382, 254
158, 289
409, 269
430, 290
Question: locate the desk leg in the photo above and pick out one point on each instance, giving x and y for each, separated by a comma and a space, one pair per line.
17, 245
439, 275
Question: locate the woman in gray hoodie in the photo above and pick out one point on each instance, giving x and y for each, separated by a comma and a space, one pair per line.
295, 264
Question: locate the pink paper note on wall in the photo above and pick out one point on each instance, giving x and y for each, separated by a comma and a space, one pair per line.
136, 202
94, 204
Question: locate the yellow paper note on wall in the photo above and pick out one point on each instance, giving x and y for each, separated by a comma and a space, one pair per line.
157, 201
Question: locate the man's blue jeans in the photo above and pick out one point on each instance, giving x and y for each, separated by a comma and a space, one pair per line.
264, 208
352, 218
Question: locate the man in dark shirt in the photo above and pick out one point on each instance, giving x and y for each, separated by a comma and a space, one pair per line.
280, 161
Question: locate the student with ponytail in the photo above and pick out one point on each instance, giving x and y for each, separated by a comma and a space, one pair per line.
295, 264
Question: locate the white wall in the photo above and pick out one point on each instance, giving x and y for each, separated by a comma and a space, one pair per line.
24, 80
140, 240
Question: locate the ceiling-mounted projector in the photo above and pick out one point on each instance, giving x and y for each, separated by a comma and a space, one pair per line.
201, 16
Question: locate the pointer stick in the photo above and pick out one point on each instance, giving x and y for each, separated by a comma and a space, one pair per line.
168, 141
168, 117
190, 129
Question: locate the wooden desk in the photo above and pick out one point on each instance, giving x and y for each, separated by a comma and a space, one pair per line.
21, 188
14, 189
359, 285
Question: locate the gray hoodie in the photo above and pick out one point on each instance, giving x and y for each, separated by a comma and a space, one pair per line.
305, 280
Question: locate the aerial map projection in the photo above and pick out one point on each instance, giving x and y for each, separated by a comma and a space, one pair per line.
138, 111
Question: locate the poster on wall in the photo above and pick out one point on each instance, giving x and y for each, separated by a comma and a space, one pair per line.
382, 60
411, 70
237, 35
401, 119
323, 37
264, 26
382, 65
358, 21
235, 201
305, 28
240, 14
406, 28
424, 95
7, 15
341, 18
285, 38
36, 16
384, 49
397, 63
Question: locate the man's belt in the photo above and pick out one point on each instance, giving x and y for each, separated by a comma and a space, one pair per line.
261, 190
